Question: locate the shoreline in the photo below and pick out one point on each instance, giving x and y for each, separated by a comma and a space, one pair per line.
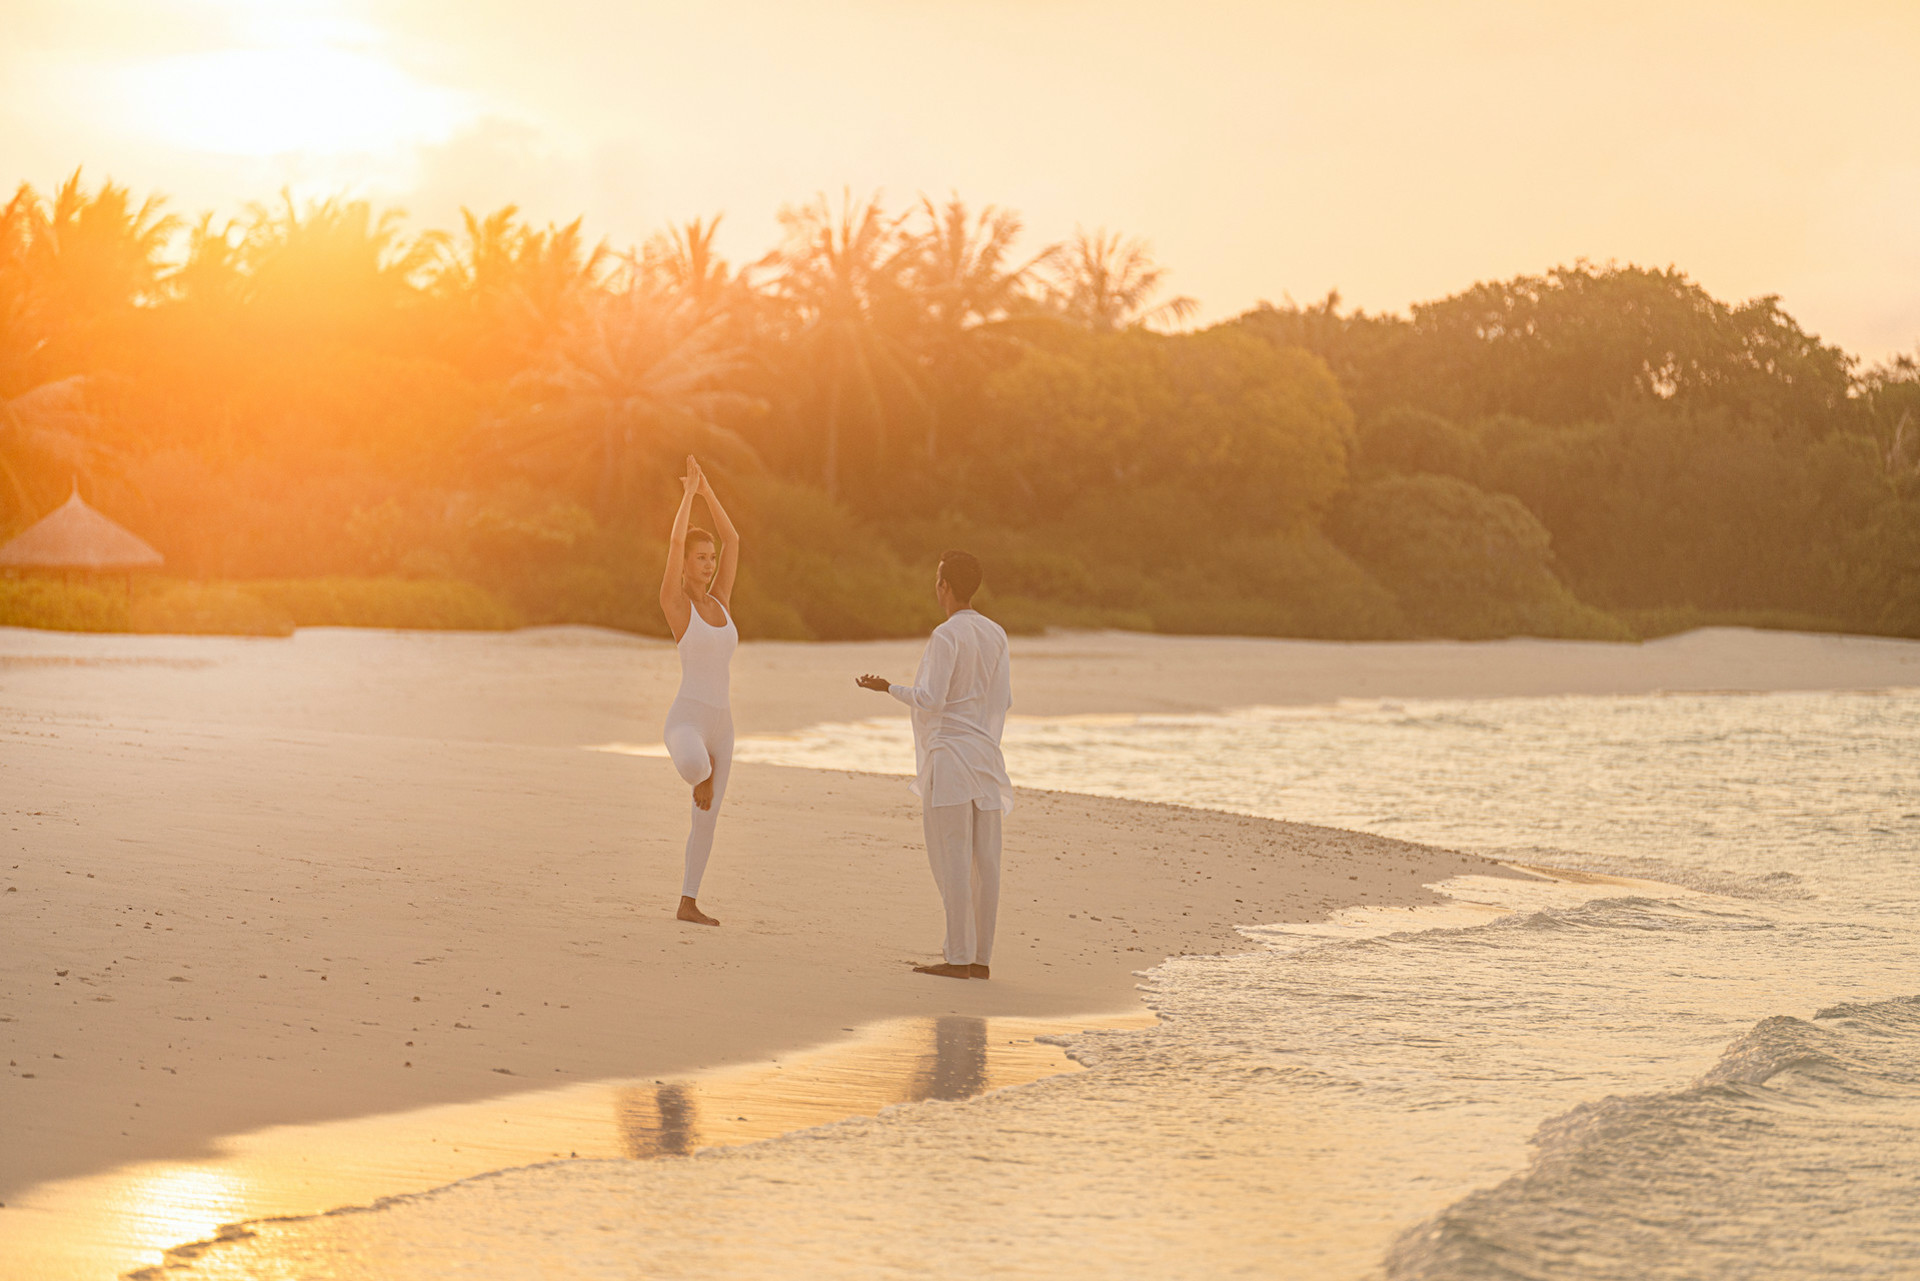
410, 846
290, 1173
954, 1063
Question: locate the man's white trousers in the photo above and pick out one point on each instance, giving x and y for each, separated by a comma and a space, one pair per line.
963, 847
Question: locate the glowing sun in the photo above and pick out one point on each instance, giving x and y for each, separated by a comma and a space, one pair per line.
271, 101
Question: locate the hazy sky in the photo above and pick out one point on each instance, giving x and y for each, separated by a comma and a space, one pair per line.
1394, 151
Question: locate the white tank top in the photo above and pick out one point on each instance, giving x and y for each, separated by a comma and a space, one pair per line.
705, 653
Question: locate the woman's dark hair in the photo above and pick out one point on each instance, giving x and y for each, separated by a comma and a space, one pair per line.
695, 534
961, 573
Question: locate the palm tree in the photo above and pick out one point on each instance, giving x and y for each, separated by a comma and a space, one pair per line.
1104, 282
20, 337
88, 259
959, 267
503, 255
632, 374
682, 260
98, 250
334, 264
212, 271
960, 262
520, 286
68, 266
840, 276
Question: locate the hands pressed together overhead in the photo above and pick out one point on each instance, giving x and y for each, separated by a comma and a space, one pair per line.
695, 481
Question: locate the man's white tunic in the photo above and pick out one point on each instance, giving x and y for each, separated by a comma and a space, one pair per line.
960, 699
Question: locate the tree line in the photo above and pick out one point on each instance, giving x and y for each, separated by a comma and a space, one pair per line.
314, 391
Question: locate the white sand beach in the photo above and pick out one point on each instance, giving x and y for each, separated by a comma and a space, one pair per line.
259, 883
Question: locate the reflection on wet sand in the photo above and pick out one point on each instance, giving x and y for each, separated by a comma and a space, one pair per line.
127, 1218
958, 1069
665, 1131
951, 1057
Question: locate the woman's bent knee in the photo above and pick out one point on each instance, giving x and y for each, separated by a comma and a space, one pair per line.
689, 755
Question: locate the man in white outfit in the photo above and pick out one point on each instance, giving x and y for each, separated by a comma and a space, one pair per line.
960, 699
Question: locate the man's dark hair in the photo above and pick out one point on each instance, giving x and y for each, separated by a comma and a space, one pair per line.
961, 573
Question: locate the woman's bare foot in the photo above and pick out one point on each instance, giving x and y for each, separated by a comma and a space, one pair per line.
703, 793
690, 911
944, 970
979, 972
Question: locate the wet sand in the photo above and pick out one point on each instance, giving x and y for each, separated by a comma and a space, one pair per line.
260, 883
119, 1221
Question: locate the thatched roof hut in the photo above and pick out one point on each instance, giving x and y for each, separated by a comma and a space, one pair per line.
76, 537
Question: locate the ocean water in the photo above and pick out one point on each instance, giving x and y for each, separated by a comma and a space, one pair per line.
1698, 1056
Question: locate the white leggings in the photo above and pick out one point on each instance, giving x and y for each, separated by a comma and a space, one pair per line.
700, 740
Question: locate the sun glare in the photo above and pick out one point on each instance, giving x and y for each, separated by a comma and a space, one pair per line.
168, 1206
263, 102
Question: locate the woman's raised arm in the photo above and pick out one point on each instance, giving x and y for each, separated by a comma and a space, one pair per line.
729, 545
673, 596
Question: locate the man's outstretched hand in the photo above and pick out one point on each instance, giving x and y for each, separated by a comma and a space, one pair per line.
877, 683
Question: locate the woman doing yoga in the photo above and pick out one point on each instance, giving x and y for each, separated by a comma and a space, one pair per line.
696, 593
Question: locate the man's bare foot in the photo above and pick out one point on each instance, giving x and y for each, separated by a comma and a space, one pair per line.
979, 972
690, 911
703, 793
944, 971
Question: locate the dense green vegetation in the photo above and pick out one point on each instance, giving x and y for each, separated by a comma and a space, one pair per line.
320, 417
253, 607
